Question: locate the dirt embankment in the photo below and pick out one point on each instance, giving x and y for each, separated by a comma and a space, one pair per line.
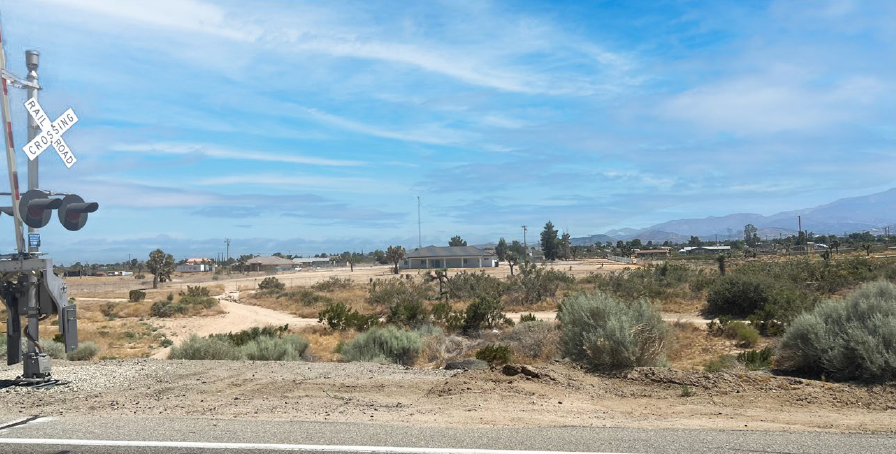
365, 392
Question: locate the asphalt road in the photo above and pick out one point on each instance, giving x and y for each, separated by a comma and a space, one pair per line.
182, 435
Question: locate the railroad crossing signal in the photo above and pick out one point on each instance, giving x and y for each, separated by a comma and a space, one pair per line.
51, 133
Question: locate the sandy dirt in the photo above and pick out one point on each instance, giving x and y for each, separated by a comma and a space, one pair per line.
563, 395
670, 317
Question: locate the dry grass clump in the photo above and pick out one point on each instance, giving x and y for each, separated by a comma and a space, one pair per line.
535, 341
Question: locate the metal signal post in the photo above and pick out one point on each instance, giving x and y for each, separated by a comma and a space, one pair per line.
29, 286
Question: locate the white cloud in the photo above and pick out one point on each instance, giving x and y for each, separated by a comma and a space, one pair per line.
213, 151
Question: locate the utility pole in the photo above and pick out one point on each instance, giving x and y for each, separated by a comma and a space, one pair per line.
525, 243
419, 228
227, 243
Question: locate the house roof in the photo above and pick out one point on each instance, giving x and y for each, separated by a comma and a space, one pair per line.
311, 259
269, 261
447, 251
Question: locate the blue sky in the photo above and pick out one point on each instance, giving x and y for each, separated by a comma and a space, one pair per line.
313, 126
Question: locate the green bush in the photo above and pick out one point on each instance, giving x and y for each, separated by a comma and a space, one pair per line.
387, 344
305, 297
197, 296
411, 313
535, 284
212, 348
756, 359
723, 362
530, 317
850, 339
265, 348
139, 276
50, 347
135, 296
484, 312
745, 335
739, 295
245, 336
270, 285
664, 281
603, 332
166, 309
338, 316
85, 352
391, 292
467, 286
494, 354
332, 284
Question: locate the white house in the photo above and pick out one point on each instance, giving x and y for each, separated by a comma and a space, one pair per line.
448, 257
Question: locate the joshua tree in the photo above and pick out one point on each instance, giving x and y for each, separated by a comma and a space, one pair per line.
161, 265
395, 254
721, 260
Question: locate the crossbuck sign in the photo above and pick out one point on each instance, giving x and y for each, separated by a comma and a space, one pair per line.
51, 134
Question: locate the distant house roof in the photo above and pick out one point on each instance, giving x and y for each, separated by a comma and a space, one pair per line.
198, 260
311, 260
269, 261
447, 251
706, 248
652, 251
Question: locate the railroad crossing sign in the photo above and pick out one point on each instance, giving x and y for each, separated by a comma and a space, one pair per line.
51, 134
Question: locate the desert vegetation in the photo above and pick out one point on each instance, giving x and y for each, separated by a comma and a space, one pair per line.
256, 344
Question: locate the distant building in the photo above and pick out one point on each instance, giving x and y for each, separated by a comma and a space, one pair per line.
653, 253
312, 261
695, 250
448, 257
270, 263
195, 268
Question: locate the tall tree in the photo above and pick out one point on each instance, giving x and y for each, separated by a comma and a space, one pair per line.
394, 254
501, 249
695, 241
564, 252
519, 249
751, 237
550, 242
456, 240
513, 260
160, 265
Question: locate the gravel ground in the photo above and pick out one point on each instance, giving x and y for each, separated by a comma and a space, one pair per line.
364, 392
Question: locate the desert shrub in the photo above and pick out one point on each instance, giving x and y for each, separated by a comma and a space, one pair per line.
720, 363
245, 336
135, 296
332, 284
467, 286
763, 300
655, 282
139, 276
85, 352
285, 348
408, 313
494, 354
305, 297
530, 317
388, 344
482, 313
744, 334
756, 359
270, 285
210, 348
440, 312
197, 296
166, 309
534, 340
3, 346
340, 317
108, 310
535, 284
50, 347
389, 292
850, 339
603, 332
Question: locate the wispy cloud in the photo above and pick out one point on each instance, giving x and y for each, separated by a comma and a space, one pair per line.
214, 151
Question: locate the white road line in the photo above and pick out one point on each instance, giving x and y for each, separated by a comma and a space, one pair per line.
22, 422
269, 447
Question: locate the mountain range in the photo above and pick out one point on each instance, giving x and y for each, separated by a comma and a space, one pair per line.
853, 214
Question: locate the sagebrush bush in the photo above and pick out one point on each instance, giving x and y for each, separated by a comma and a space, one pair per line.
720, 363
494, 354
52, 348
135, 296
270, 285
286, 348
387, 344
85, 352
212, 348
603, 332
340, 317
668, 280
850, 339
536, 340
467, 286
535, 284
332, 284
245, 336
745, 335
